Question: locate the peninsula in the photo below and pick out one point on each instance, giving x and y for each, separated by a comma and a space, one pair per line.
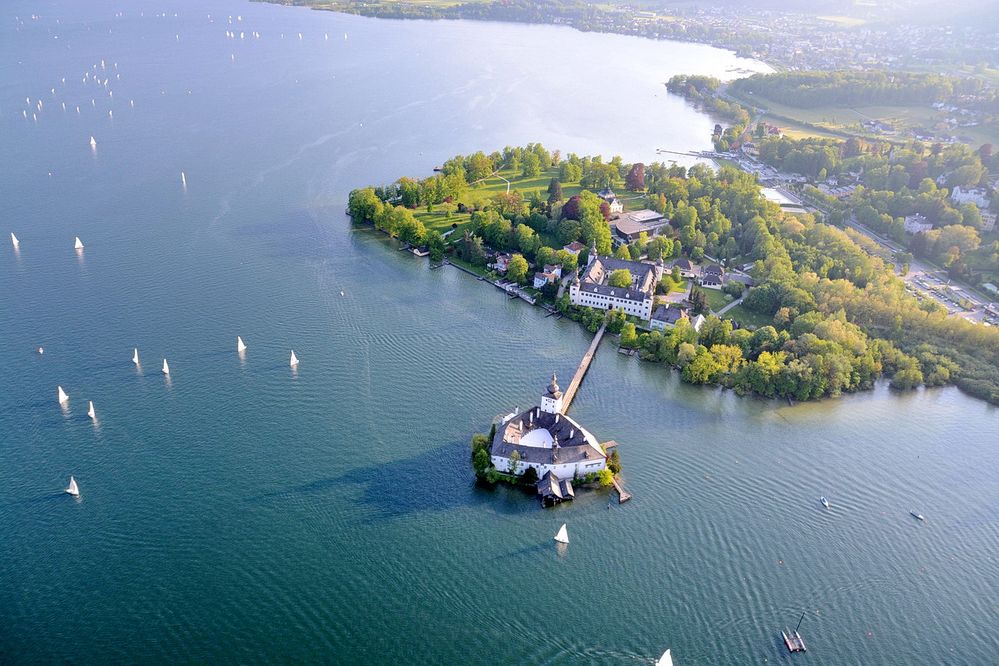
697, 271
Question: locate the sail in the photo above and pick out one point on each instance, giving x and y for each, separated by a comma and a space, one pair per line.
240, 346
563, 535
294, 359
91, 412
73, 489
166, 368
93, 142
63, 396
135, 355
13, 239
79, 244
665, 660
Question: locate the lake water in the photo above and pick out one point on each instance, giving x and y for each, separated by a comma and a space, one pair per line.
241, 512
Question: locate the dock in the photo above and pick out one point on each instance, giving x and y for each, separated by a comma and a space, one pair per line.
584, 365
622, 495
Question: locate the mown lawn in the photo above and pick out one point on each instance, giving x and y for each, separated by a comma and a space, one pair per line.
716, 299
747, 318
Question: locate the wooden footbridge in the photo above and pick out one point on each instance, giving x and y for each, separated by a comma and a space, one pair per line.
570, 393
584, 365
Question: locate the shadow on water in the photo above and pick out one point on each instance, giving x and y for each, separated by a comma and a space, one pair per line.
436, 480
524, 552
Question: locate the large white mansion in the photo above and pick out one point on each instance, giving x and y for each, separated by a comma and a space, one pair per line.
548, 441
593, 291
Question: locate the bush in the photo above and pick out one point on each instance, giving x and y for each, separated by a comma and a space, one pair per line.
605, 477
530, 477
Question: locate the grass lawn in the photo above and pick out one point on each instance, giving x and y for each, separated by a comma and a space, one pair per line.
747, 318
438, 219
717, 299
834, 121
493, 185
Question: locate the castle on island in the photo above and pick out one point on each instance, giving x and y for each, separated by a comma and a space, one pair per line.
554, 445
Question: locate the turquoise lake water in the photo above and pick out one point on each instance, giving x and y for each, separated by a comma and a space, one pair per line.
242, 512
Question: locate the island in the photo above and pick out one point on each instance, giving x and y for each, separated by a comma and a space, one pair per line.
545, 448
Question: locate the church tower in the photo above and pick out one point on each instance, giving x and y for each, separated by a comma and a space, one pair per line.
551, 401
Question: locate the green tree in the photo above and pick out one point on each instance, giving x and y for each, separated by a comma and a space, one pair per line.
514, 463
698, 301
554, 190
435, 245
622, 252
531, 166
516, 270
409, 192
363, 205
629, 335
620, 278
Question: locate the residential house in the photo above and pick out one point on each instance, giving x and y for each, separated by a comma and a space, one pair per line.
575, 247
917, 223
607, 194
988, 220
977, 196
551, 274
687, 269
713, 276
501, 261
667, 316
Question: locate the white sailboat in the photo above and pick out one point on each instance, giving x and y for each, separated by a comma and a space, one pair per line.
93, 141
135, 355
63, 396
73, 489
13, 239
78, 244
665, 660
240, 345
91, 412
183, 179
166, 368
294, 359
562, 536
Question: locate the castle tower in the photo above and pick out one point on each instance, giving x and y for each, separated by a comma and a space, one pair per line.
551, 401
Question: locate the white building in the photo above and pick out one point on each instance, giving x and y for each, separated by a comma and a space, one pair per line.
976, 196
988, 220
593, 290
546, 440
916, 223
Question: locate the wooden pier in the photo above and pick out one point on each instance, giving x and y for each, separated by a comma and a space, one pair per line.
584, 365
622, 495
